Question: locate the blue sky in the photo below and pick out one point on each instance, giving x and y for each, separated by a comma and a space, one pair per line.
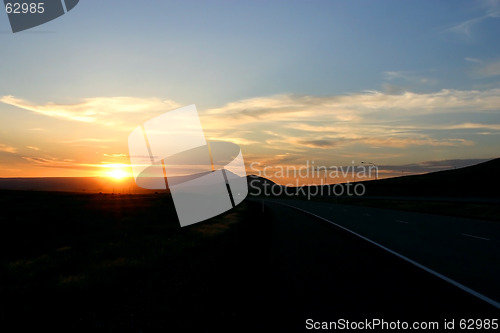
395, 82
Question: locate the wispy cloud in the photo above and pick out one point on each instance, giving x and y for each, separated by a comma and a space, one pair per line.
431, 166
409, 76
495, 127
384, 142
51, 162
491, 10
352, 107
473, 60
350, 117
320, 143
86, 140
308, 125
56, 163
464, 28
403, 142
116, 155
237, 140
489, 69
7, 149
109, 111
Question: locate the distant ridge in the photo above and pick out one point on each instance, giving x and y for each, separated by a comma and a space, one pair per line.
480, 180
256, 184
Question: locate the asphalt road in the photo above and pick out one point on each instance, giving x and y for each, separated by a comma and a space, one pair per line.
325, 273
462, 249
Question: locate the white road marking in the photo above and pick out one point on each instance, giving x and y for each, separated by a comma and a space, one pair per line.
478, 237
413, 262
366, 214
401, 221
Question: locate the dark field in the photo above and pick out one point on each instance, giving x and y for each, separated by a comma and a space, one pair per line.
122, 263
74, 262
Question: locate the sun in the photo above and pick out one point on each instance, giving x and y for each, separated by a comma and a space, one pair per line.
116, 171
117, 174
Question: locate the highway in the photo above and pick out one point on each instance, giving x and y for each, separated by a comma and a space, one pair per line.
320, 270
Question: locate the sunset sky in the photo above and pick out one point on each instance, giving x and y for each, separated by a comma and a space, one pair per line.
411, 85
